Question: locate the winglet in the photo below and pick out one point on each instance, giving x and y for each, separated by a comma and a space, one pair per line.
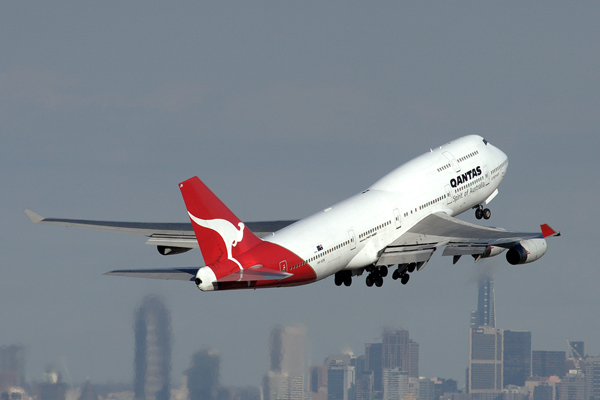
547, 231
33, 216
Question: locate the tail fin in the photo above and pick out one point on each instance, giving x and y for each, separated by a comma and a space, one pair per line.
220, 234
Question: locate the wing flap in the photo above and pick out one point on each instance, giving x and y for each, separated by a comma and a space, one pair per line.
177, 274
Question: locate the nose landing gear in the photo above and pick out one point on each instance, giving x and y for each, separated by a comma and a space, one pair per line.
481, 212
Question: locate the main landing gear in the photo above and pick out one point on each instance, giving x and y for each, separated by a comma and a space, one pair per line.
481, 212
376, 276
343, 278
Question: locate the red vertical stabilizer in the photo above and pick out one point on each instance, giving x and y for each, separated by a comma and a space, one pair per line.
220, 234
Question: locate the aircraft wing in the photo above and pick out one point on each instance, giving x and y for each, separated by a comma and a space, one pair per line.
159, 233
458, 237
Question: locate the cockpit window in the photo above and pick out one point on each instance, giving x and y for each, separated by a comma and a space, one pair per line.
485, 141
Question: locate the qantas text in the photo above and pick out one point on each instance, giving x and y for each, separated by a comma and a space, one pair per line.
465, 177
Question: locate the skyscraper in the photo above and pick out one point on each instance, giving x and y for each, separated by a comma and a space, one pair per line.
548, 363
484, 316
285, 379
12, 366
203, 375
395, 383
517, 357
401, 352
374, 362
592, 372
485, 359
152, 362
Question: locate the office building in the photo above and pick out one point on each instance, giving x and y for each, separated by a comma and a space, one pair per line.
285, 379
152, 358
374, 362
592, 373
394, 383
572, 387
398, 351
517, 357
485, 314
485, 359
340, 380
12, 367
548, 363
202, 377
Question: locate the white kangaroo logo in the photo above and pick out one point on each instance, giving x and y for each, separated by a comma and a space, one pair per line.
228, 232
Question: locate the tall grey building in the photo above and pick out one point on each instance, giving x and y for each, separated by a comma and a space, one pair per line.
12, 366
485, 359
285, 379
485, 315
340, 379
592, 373
374, 362
517, 357
399, 351
152, 359
203, 375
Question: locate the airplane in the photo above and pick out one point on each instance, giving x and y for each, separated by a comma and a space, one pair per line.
397, 223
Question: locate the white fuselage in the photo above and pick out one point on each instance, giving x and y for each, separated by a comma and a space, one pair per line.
452, 178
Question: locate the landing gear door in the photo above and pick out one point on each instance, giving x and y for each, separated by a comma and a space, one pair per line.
397, 218
352, 239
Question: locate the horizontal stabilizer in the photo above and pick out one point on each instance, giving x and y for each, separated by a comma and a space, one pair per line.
178, 274
255, 273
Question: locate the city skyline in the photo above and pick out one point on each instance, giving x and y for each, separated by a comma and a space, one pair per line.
282, 109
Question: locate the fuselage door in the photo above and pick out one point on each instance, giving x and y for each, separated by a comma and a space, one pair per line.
449, 194
397, 218
283, 266
452, 160
486, 174
352, 239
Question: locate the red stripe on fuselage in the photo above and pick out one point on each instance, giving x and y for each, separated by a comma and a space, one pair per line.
271, 256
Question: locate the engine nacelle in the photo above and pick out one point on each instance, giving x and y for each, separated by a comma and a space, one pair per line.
526, 251
171, 250
489, 251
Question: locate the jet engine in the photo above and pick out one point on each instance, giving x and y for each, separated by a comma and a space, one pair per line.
526, 251
489, 251
171, 250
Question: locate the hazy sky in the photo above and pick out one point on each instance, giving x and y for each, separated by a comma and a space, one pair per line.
284, 108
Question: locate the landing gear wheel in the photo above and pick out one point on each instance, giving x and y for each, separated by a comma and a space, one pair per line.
338, 280
347, 280
369, 281
383, 271
405, 279
411, 267
487, 213
479, 213
395, 275
379, 281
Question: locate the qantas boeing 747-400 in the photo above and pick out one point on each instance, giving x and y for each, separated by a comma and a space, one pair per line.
396, 224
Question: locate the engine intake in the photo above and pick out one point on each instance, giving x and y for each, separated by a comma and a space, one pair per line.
526, 251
